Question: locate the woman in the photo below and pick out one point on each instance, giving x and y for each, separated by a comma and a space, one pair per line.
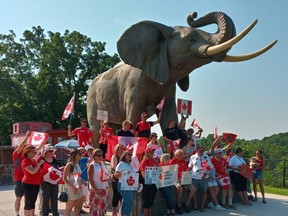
189, 150
31, 180
98, 179
149, 190
167, 191
105, 131
127, 195
49, 186
258, 175
239, 181
126, 129
118, 151
72, 178
156, 145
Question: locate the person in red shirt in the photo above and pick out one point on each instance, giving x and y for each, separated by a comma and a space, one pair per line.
182, 167
31, 180
222, 176
84, 134
143, 128
105, 131
18, 172
149, 190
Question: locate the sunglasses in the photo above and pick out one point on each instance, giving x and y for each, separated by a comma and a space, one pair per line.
84, 121
129, 154
154, 136
50, 151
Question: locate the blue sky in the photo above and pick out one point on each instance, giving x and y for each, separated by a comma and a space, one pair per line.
247, 98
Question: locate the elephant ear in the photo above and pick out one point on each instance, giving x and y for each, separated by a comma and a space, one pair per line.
184, 83
143, 46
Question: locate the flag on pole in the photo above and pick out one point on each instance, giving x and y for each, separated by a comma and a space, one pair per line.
195, 124
228, 137
184, 107
174, 144
216, 133
161, 104
69, 108
136, 144
37, 138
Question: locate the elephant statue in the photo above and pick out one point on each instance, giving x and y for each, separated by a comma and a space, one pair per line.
155, 58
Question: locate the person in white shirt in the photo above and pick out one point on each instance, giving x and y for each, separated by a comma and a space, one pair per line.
98, 180
127, 195
239, 181
201, 166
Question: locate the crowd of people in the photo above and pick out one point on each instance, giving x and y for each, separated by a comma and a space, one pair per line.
87, 178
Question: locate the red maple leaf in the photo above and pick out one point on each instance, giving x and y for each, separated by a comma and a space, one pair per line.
208, 168
130, 181
68, 107
160, 176
184, 106
226, 180
38, 137
54, 176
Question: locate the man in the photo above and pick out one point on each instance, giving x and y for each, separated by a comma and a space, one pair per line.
195, 136
221, 166
143, 128
182, 167
201, 167
84, 134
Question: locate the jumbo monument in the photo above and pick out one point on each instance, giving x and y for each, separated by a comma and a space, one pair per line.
155, 58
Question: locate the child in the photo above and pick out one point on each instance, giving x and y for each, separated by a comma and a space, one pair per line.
167, 191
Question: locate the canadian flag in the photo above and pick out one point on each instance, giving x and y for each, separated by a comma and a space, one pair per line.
216, 133
69, 109
195, 124
223, 180
51, 174
184, 107
138, 144
228, 137
37, 138
161, 104
174, 144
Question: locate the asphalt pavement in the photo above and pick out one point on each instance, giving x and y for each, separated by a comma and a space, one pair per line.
276, 206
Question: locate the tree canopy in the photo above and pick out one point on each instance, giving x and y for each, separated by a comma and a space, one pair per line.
40, 72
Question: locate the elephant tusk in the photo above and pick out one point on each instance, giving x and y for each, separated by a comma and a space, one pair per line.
249, 56
228, 44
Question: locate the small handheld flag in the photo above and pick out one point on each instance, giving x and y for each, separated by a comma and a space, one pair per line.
69, 108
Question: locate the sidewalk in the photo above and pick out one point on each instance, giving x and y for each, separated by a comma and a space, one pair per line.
276, 205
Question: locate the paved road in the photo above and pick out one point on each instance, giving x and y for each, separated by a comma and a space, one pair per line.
276, 206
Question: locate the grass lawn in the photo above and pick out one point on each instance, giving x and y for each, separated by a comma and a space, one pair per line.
273, 190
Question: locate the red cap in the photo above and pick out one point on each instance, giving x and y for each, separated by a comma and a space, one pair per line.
200, 148
144, 114
147, 150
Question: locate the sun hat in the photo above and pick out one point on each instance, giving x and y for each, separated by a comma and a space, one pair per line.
87, 147
27, 149
48, 147
218, 150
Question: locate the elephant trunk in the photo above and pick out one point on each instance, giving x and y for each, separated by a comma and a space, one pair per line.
226, 28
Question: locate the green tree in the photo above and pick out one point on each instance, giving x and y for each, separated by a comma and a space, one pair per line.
40, 72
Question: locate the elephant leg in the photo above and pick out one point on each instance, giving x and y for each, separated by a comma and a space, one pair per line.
92, 118
168, 113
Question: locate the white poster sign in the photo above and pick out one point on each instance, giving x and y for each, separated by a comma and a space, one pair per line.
158, 152
151, 175
186, 178
129, 181
167, 175
102, 115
